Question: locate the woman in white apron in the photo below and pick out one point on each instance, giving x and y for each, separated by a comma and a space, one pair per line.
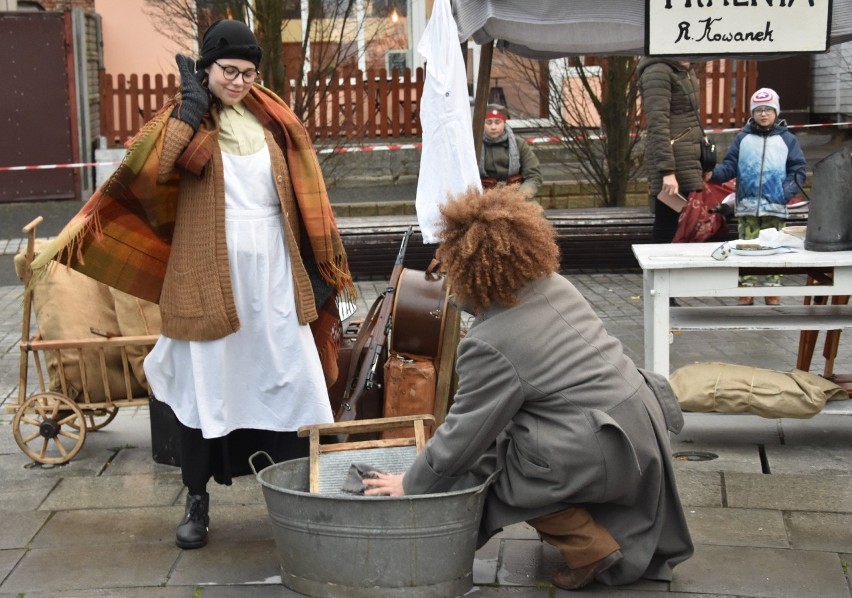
251, 388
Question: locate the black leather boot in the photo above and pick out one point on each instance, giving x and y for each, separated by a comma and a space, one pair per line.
192, 530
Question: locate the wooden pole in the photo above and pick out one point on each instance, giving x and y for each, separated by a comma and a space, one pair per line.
445, 383
481, 98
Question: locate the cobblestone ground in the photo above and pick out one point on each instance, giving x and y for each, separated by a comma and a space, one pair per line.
784, 535
616, 297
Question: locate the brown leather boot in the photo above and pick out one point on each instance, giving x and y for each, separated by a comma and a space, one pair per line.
574, 579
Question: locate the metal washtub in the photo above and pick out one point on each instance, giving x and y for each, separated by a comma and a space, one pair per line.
334, 544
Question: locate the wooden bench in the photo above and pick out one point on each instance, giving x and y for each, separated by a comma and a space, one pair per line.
372, 244
600, 238
588, 238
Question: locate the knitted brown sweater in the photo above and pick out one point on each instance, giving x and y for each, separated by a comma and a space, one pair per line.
197, 301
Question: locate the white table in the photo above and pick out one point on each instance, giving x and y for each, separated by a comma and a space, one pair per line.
688, 270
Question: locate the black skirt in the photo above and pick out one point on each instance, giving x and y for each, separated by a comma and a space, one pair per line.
227, 457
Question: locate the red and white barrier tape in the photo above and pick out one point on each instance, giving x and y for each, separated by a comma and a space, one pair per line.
393, 147
53, 166
535, 140
370, 148
814, 126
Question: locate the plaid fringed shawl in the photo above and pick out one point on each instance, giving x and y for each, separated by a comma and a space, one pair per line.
122, 234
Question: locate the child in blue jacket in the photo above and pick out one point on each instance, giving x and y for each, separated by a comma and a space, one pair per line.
768, 163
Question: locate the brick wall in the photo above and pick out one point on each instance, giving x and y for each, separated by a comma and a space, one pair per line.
87, 5
577, 194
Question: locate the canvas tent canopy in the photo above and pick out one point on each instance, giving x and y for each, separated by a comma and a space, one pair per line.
547, 29
550, 29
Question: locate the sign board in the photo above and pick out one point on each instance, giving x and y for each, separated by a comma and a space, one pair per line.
718, 27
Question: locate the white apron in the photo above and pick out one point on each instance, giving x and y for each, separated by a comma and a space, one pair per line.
267, 375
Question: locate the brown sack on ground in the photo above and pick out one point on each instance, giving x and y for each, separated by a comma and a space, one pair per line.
730, 388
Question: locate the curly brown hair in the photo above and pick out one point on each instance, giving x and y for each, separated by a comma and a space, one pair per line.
494, 243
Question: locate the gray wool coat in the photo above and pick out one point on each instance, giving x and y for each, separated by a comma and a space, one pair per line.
549, 400
670, 97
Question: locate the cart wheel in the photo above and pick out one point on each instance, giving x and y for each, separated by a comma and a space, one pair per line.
96, 418
49, 427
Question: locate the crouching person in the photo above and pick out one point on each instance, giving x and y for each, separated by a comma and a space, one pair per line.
547, 398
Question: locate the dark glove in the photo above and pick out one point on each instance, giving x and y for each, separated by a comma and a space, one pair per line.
725, 209
194, 97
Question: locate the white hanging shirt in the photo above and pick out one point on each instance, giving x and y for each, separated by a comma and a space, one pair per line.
448, 160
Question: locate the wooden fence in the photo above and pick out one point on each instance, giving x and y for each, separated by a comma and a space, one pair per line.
366, 105
129, 102
374, 105
726, 88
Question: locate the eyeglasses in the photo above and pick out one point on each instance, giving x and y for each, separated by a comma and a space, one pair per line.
230, 73
763, 110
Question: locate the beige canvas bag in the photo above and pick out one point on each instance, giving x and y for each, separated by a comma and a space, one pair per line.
729, 388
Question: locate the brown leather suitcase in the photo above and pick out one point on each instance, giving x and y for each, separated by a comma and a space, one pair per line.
344, 356
354, 355
409, 390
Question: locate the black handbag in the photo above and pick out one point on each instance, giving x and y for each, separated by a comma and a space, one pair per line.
707, 149
708, 153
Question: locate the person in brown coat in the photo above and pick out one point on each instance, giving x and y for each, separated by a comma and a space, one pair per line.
548, 403
237, 361
670, 96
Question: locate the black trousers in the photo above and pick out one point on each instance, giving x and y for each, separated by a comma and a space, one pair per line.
228, 457
665, 223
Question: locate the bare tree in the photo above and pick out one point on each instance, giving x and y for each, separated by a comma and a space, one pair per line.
330, 44
175, 20
335, 38
183, 21
594, 110
269, 19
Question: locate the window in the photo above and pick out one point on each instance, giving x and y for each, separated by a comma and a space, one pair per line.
383, 8
396, 59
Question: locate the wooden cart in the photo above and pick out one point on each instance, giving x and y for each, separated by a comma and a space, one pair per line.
49, 425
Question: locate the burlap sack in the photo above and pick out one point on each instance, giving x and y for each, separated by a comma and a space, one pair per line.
20, 260
70, 306
136, 317
729, 388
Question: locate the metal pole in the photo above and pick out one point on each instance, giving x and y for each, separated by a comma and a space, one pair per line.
306, 40
362, 46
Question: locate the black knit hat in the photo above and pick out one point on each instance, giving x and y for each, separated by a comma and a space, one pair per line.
227, 38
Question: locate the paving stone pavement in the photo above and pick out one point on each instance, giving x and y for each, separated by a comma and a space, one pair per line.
771, 515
